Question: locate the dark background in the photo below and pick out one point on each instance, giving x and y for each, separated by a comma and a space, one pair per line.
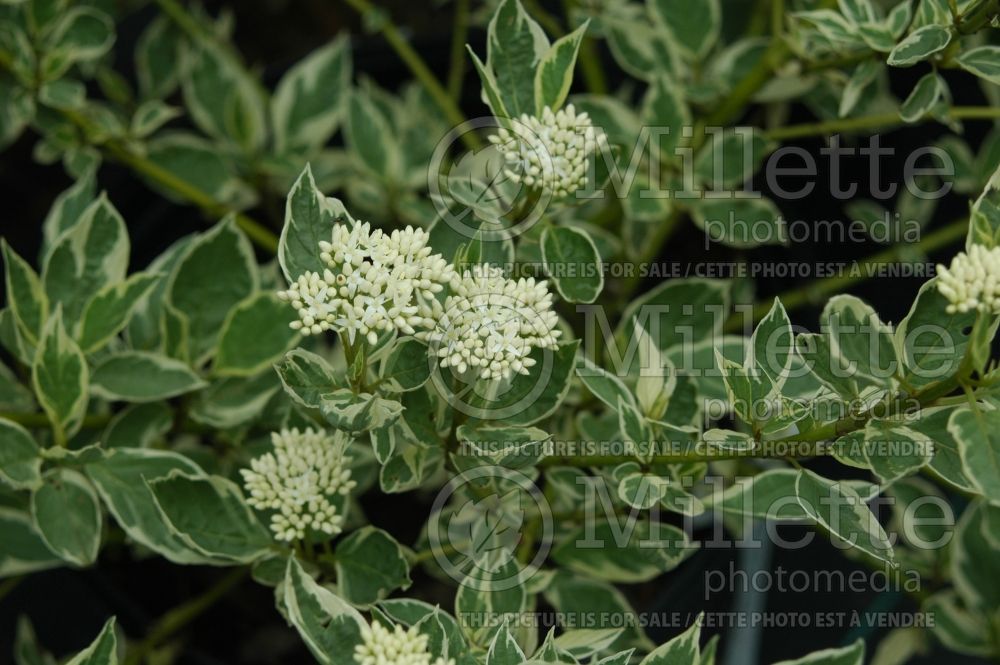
68, 607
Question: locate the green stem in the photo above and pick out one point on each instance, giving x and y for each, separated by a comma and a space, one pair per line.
797, 446
459, 35
875, 121
259, 234
417, 67
815, 291
180, 616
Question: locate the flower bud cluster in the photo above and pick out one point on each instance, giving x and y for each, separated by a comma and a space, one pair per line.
972, 282
381, 646
549, 153
489, 324
298, 480
374, 282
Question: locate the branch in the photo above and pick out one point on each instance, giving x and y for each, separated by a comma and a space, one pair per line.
815, 291
875, 121
417, 66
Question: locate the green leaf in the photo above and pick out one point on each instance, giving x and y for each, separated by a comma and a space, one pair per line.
22, 549
673, 310
729, 159
157, 58
109, 311
217, 271
508, 446
329, 626
68, 207
923, 98
852, 655
209, 515
534, 396
25, 296
20, 462
932, 341
369, 135
81, 34
894, 450
92, 254
141, 376
681, 650
63, 95
587, 642
983, 61
504, 649
577, 598
309, 101
60, 377
740, 223
370, 565
657, 376
515, 45
664, 107
198, 162
306, 377
641, 47
859, 339
840, 510
309, 218
222, 97
694, 24
138, 426
491, 90
408, 365
978, 435
957, 627
624, 549
919, 45
120, 478
17, 110
102, 651
353, 412
768, 495
984, 226
554, 73
485, 594
255, 334
67, 515
861, 81
234, 401
151, 116
766, 366
572, 260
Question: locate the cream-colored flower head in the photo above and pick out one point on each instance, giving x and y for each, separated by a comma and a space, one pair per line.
972, 282
489, 324
298, 480
549, 153
381, 646
374, 282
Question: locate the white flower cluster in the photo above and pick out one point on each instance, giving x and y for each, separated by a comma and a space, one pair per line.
381, 646
374, 282
551, 152
972, 281
490, 324
298, 480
